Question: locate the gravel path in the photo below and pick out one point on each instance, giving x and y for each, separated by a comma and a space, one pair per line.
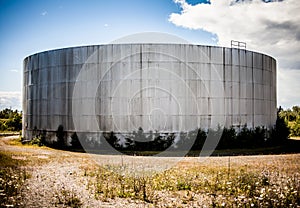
57, 177
55, 184
60, 179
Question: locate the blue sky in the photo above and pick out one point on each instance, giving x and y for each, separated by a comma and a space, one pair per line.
32, 26
28, 27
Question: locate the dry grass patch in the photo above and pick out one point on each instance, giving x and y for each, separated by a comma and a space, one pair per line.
261, 181
13, 174
242, 181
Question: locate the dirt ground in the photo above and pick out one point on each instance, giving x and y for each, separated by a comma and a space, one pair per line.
56, 173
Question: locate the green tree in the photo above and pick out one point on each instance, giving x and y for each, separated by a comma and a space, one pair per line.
295, 127
292, 119
281, 131
10, 120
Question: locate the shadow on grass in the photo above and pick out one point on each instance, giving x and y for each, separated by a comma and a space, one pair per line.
290, 146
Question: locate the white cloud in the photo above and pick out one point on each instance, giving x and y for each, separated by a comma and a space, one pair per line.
288, 88
272, 28
105, 25
14, 70
10, 100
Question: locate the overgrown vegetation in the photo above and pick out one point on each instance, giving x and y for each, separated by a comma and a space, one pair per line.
67, 198
230, 138
262, 181
12, 177
201, 185
38, 140
292, 119
10, 120
150, 143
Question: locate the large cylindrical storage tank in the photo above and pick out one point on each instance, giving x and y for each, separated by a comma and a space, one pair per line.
156, 87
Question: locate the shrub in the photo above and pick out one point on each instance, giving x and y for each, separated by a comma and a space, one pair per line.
228, 139
38, 140
75, 141
280, 133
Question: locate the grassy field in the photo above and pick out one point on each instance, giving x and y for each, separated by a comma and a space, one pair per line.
33, 176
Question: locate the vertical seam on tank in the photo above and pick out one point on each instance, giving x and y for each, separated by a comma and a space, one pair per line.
141, 82
224, 95
253, 102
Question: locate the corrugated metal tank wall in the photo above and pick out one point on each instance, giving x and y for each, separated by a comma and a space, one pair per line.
164, 87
